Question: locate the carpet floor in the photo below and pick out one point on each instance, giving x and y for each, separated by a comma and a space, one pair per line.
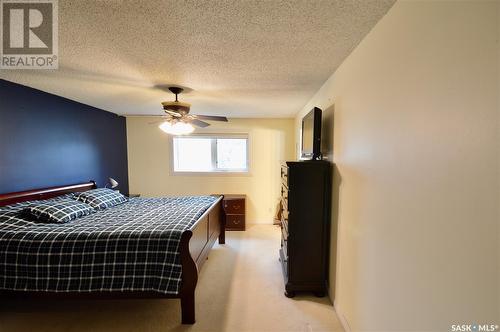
240, 288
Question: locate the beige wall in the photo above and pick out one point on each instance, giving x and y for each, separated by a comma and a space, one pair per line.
271, 140
414, 119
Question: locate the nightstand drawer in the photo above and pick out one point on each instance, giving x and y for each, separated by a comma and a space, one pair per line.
234, 211
235, 222
234, 206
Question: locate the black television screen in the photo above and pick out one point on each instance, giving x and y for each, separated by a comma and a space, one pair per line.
311, 135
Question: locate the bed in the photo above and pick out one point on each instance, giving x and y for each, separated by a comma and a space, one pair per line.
145, 248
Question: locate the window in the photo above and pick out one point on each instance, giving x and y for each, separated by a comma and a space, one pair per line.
218, 153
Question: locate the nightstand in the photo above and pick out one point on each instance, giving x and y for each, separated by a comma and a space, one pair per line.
234, 212
134, 195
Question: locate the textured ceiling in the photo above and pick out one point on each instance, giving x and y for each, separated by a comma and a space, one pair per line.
241, 58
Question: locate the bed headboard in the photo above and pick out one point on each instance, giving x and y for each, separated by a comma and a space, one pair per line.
44, 193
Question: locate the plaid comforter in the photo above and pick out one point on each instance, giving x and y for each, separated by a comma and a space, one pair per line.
129, 247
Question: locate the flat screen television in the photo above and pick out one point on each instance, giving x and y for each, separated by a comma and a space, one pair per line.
311, 135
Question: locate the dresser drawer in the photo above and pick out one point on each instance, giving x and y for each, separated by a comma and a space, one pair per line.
284, 233
235, 222
284, 205
284, 247
284, 191
284, 225
284, 176
234, 206
284, 214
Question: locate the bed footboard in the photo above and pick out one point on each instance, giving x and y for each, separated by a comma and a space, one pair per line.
194, 248
189, 280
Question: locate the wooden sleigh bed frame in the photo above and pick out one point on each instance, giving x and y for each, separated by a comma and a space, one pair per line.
194, 247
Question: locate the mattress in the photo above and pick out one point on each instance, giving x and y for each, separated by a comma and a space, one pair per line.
129, 247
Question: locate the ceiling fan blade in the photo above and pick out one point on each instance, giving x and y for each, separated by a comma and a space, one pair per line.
199, 123
211, 117
172, 113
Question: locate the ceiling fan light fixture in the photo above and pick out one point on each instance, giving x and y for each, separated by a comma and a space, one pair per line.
177, 128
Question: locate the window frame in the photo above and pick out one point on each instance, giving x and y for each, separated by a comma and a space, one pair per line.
246, 172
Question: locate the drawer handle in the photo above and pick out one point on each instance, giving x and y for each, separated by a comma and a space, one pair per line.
236, 222
236, 207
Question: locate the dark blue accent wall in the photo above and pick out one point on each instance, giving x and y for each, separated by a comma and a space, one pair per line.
47, 140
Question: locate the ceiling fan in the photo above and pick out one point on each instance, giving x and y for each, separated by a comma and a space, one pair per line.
178, 121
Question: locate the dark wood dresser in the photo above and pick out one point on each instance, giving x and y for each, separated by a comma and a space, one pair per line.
234, 211
305, 225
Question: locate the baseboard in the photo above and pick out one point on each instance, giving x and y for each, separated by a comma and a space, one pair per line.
341, 317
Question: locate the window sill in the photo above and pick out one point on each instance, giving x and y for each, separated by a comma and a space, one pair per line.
231, 174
